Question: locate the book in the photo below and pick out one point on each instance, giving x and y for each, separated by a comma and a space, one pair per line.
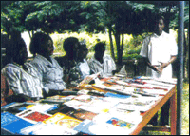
16, 126
58, 99
88, 79
106, 125
141, 104
16, 107
82, 114
33, 116
63, 120
8, 118
43, 107
11, 124
62, 108
108, 94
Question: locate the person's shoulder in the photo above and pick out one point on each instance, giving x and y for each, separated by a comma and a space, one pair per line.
165, 34
10, 68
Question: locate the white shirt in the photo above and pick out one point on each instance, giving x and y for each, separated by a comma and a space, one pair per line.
159, 49
50, 73
23, 82
84, 68
105, 68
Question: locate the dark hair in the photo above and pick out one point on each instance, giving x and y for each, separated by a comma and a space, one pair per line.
38, 39
158, 17
16, 46
99, 46
69, 43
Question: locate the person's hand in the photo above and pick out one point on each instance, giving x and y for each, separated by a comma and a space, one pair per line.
157, 69
164, 65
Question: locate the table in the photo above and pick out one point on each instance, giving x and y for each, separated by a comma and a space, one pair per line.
170, 96
147, 115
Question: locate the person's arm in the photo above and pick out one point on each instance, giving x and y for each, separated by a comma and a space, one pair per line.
164, 65
146, 60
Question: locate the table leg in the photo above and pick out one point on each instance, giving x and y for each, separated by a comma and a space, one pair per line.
173, 114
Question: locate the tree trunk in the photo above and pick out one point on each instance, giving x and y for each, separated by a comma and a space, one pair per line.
122, 49
111, 44
117, 39
184, 56
188, 54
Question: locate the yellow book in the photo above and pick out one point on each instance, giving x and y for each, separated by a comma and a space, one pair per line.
62, 120
68, 121
54, 118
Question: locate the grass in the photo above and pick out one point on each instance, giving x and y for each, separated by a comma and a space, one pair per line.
184, 114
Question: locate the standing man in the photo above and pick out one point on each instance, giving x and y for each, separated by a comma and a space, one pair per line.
159, 51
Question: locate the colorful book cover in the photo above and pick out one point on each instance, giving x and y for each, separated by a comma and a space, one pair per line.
12, 124
84, 98
54, 118
107, 124
16, 126
63, 109
82, 114
108, 94
7, 118
33, 116
68, 121
37, 116
62, 120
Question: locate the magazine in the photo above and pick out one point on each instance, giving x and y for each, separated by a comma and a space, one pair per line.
11, 124
33, 116
58, 99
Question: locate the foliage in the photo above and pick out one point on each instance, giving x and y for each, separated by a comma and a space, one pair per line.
174, 21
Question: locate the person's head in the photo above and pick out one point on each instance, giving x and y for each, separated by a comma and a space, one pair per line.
99, 51
71, 46
19, 53
42, 44
159, 24
83, 51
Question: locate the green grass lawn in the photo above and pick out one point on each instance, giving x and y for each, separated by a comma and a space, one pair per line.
184, 114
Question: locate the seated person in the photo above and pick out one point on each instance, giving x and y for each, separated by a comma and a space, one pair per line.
81, 70
71, 46
22, 77
101, 62
83, 65
50, 71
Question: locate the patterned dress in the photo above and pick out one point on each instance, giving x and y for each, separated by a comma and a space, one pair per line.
51, 74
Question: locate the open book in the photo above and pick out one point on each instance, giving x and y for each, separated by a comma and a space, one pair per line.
88, 79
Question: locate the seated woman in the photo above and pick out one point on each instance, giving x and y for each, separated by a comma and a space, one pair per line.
50, 71
102, 63
21, 76
81, 70
69, 61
